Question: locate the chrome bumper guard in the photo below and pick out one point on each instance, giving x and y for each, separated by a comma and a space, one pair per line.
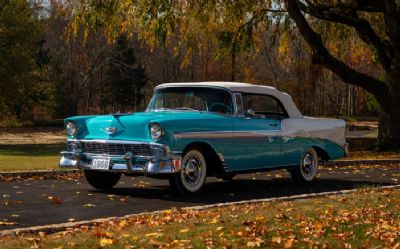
150, 164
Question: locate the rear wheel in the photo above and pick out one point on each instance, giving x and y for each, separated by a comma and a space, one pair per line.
192, 176
307, 169
102, 180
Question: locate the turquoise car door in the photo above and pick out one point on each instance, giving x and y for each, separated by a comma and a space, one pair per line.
258, 132
258, 142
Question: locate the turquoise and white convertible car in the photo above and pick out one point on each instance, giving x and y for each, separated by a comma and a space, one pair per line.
194, 130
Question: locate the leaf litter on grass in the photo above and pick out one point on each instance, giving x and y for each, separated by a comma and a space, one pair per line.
368, 218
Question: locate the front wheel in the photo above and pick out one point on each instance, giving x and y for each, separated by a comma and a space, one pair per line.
192, 176
102, 180
307, 170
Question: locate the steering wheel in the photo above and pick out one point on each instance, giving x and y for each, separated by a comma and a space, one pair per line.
213, 105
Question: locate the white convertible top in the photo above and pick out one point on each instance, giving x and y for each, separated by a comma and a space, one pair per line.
285, 98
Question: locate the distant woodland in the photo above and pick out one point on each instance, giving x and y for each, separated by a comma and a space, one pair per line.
53, 65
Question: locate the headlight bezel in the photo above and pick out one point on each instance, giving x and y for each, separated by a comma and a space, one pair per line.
70, 128
156, 131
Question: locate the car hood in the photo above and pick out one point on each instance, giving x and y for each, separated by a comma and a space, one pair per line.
135, 126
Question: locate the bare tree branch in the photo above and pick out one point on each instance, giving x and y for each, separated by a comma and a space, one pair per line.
351, 6
369, 5
364, 30
322, 56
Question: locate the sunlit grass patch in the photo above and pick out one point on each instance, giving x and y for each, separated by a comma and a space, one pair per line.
30, 156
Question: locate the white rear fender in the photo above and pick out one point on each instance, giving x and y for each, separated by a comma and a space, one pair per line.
322, 128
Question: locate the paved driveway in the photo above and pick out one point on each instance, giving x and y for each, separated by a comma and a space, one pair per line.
29, 203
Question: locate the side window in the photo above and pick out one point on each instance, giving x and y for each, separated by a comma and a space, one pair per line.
264, 106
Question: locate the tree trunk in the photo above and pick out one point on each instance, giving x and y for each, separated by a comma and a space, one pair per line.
389, 128
386, 92
389, 123
233, 65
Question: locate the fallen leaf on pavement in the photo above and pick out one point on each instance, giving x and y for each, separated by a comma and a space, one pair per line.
125, 199
6, 223
54, 200
89, 205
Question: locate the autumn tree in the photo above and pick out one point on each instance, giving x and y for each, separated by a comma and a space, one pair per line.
329, 27
20, 54
377, 23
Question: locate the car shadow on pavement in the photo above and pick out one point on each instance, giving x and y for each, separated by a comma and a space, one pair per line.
242, 189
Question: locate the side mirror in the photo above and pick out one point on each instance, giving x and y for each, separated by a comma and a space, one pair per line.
251, 113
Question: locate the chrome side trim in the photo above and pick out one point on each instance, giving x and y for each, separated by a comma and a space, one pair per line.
228, 134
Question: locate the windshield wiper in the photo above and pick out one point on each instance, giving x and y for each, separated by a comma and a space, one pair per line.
173, 109
161, 109
185, 108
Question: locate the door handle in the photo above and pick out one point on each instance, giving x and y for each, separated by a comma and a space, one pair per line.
274, 125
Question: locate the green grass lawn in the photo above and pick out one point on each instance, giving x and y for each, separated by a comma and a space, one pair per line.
368, 218
30, 156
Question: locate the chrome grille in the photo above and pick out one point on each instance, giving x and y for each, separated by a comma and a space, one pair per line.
115, 148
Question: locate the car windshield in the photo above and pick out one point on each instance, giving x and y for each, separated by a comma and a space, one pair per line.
192, 98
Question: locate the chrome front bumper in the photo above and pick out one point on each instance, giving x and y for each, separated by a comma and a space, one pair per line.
127, 163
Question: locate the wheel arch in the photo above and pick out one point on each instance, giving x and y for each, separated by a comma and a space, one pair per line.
321, 153
214, 163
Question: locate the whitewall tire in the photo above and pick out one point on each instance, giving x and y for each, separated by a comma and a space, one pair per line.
307, 169
192, 176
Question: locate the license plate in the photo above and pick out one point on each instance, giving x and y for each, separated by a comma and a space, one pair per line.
101, 163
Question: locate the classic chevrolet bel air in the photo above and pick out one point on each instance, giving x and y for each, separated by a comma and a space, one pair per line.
194, 130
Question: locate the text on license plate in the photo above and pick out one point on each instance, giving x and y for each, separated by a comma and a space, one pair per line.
101, 163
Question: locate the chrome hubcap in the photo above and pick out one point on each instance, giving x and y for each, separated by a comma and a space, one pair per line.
192, 170
308, 164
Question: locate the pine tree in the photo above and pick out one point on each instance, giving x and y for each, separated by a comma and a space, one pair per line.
125, 78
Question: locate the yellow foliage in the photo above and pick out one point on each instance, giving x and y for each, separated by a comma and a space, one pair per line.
284, 47
106, 242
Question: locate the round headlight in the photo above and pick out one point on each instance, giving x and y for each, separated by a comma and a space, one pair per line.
71, 128
156, 131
